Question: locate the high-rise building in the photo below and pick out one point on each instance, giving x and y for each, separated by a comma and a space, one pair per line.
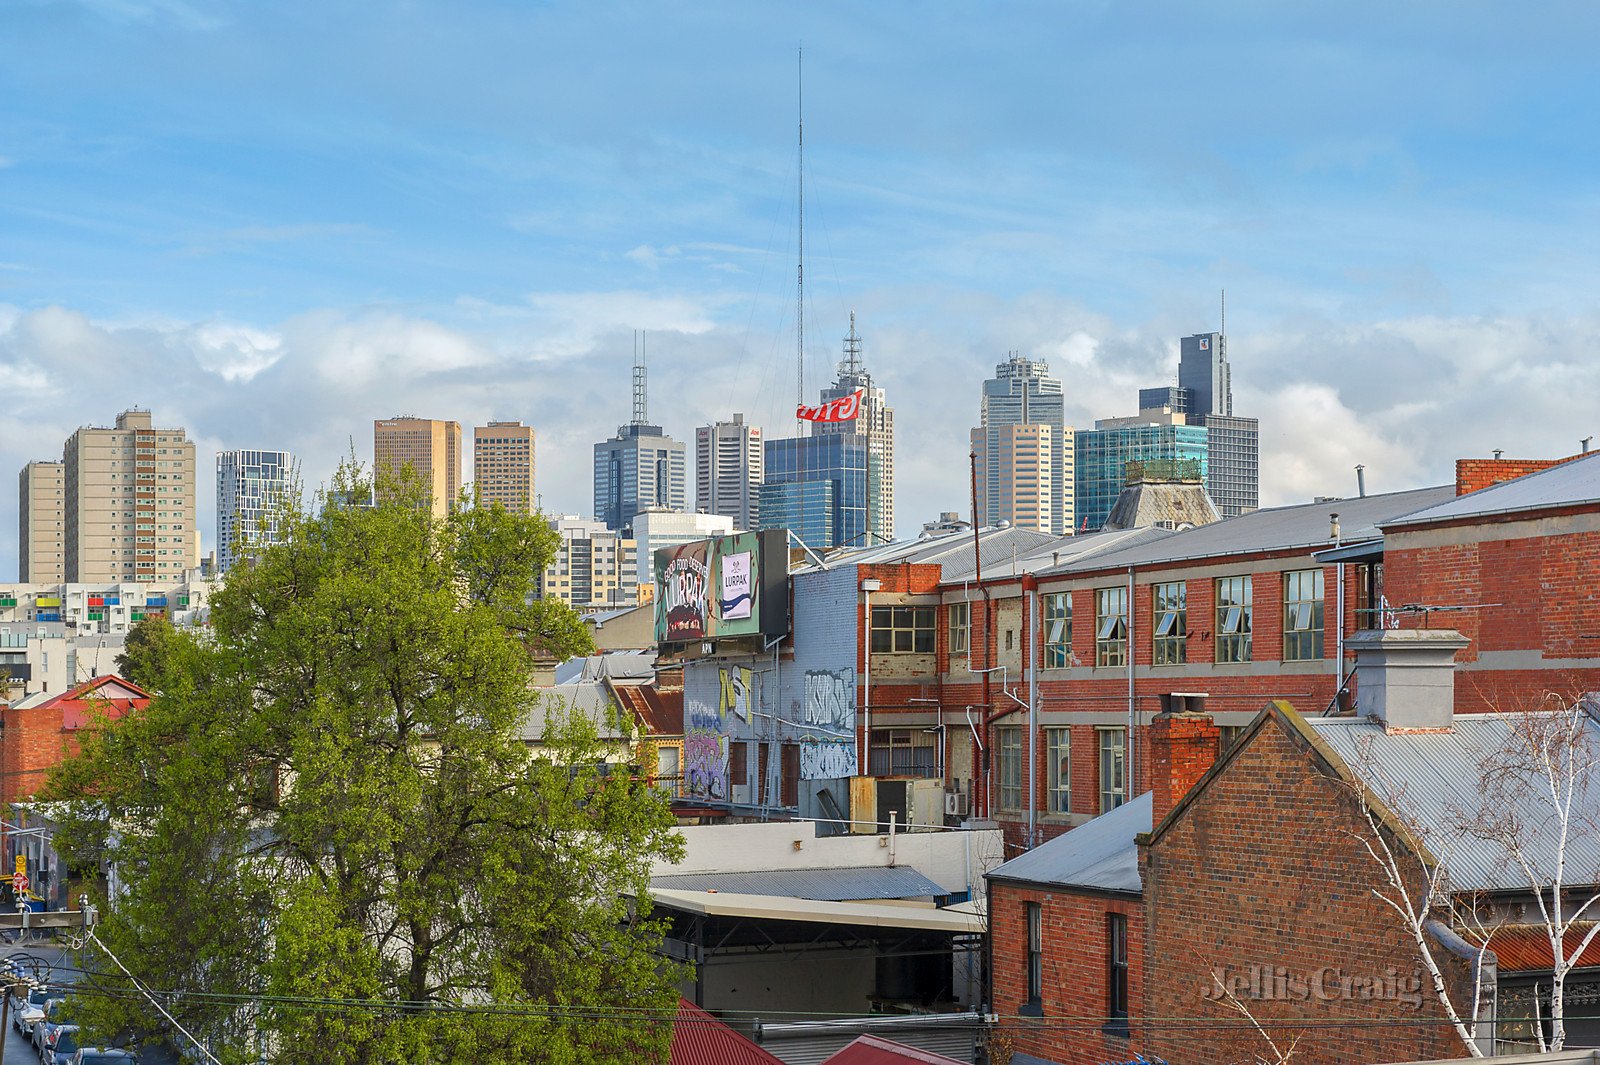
432, 449
728, 471
1102, 456
1019, 476
503, 466
1204, 395
816, 486
253, 487
874, 422
654, 529
1022, 393
639, 467
42, 519
594, 566
129, 510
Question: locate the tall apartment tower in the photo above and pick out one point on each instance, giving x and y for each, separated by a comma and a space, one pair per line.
641, 466
729, 469
129, 510
503, 465
1204, 396
875, 424
41, 514
253, 487
430, 447
1022, 393
594, 566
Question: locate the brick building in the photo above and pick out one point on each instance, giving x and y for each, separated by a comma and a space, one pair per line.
33, 738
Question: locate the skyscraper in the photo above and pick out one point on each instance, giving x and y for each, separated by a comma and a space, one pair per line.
1103, 453
729, 466
816, 486
503, 466
41, 514
639, 467
252, 488
432, 448
1022, 393
594, 565
1204, 396
875, 424
129, 508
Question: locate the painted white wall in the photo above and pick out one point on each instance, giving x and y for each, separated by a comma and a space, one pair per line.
956, 861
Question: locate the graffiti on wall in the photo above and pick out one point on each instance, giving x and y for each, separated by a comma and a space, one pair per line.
705, 751
739, 693
830, 701
827, 760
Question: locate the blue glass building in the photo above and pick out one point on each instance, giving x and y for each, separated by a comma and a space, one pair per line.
817, 487
1103, 456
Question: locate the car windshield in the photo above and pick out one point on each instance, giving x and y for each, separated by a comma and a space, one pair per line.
38, 997
105, 1057
67, 1041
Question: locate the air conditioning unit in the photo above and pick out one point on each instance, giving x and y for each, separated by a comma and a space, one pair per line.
739, 794
957, 803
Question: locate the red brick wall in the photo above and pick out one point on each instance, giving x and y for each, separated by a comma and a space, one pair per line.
1076, 969
33, 743
1266, 868
1473, 474
1182, 748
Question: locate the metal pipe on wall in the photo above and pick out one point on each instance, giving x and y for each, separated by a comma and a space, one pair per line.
1030, 591
864, 747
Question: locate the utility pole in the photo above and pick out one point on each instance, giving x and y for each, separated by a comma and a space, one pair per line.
26, 920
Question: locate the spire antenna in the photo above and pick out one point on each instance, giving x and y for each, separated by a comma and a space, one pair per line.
800, 269
641, 383
852, 352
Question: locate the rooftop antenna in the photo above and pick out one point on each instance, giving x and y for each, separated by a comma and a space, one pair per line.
800, 269
852, 351
641, 388
1223, 327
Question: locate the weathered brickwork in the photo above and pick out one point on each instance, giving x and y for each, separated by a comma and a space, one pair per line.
1263, 873
1473, 474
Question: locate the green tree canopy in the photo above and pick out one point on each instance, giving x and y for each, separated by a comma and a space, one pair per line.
145, 651
331, 838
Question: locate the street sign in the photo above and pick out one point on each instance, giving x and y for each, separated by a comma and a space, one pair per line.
22, 865
19, 883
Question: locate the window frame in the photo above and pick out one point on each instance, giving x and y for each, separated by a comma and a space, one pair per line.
918, 750
959, 646
1303, 643
1234, 633
1117, 971
1033, 917
1169, 624
916, 622
1058, 744
1056, 633
1008, 764
1110, 636
1113, 764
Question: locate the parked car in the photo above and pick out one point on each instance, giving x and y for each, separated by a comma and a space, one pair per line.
102, 1056
60, 1045
32, 1011
53, 1018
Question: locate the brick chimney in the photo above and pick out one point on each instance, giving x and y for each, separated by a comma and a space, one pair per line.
1183, 745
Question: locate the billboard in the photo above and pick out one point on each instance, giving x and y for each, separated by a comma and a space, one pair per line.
722, 588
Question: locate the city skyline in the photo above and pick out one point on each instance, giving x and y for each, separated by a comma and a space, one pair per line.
468, 225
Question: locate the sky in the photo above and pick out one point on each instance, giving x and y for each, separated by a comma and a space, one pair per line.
274, 223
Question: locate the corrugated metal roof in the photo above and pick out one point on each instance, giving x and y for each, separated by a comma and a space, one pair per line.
1304, 525
588, 697
1432, 780
812, 911
700, 1039
1100, 855
1525, 948
835, 885
871, 1050
1576, 481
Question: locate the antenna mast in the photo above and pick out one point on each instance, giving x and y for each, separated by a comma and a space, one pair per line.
641, 393
1223, 328
800, 270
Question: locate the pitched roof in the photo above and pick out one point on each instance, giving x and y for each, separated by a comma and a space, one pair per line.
1431, 782
700, 1039
1304, 526
108, 694
658, 709
871, 1050
1525, 948
1098, 856
1568, 484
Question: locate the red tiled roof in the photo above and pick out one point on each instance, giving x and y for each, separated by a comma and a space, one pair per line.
1526, 948
78, 706
870, 1050
700, 1039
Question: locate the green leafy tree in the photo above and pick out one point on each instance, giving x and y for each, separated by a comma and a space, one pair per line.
142, 657
332, 840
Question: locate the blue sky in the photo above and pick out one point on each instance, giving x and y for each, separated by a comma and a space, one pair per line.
273, 223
